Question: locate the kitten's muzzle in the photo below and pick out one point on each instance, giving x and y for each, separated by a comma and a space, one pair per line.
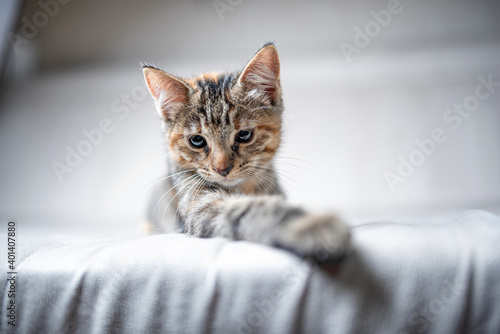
222, 170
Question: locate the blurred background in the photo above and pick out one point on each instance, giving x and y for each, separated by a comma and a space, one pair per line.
392, 107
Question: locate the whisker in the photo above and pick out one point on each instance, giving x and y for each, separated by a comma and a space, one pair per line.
165, 194
280, 173
261, 177
269, 170
285, 163
272, 180
192, 180
250, 174
269, 184
155, 181
301, 160
312, 171
199, 184
263, 107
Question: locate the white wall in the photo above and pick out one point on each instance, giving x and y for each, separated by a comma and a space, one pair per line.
347, 122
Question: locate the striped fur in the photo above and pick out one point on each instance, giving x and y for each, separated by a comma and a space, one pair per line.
229, 188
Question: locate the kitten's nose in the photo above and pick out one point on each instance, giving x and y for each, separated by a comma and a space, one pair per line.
223, 170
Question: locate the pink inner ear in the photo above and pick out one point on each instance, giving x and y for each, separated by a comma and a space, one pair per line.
262, 73
169, 92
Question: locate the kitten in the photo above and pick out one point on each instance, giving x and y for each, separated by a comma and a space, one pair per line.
222, 133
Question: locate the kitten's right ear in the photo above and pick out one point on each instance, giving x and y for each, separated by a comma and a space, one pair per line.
170, 93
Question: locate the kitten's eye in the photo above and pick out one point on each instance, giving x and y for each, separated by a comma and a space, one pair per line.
198, 141
244, 136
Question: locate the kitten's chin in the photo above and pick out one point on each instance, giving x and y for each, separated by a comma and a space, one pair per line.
228, 182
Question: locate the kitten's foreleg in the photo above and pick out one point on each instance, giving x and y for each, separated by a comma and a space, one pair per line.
269, 220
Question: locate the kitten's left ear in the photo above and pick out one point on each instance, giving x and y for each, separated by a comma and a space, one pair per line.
170, 93
261, 76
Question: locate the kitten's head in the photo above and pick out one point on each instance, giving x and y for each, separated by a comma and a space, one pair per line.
227, 127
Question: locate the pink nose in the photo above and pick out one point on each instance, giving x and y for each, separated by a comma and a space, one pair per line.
223, 170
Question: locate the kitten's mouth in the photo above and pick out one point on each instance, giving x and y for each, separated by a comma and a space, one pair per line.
224, 181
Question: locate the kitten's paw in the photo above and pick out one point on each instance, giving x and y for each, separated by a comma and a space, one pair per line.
323, 237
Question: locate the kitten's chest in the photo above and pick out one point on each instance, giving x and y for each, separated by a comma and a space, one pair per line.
254, 188
249, 188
